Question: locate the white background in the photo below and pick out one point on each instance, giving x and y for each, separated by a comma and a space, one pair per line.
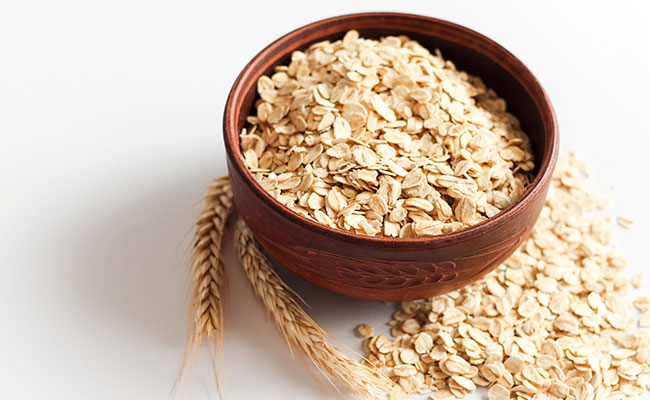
110, 128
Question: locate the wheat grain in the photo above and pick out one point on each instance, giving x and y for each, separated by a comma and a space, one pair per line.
206, 297
299, 329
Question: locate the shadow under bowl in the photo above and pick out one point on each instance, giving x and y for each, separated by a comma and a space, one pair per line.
381, 268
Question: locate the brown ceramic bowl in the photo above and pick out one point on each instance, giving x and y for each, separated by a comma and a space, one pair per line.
382, 268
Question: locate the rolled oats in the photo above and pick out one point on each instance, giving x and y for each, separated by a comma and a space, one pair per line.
549, 323
624, 222
365, 330
642, 303
434, 149
644, 321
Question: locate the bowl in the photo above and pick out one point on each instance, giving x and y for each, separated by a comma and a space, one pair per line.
384, 268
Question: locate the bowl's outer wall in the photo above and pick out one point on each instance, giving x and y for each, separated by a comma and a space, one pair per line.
416, 270
376, 273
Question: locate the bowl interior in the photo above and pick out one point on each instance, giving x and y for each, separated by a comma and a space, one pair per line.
468, 50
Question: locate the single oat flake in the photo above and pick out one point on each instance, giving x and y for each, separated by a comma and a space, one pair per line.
625, 222
384, 138
365, 330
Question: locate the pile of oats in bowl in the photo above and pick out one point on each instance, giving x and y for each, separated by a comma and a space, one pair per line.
550, 323
383, 138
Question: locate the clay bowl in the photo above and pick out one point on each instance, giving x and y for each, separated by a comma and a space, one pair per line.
393, 268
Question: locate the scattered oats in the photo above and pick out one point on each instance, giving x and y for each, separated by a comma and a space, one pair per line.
594, 300
404, 370
463, 382
546, 284
550, 323
423, 343
526, 345
567, 323
528, 308
582, 308
480, 337
637, 281
442, 395
642, 303
384, 138
409, 356
629, 370
644, 321
455, 365
364, 330
624, 222
452, 316
559, 303
622, 353
411, 326
617, 321
514, 364
498, 392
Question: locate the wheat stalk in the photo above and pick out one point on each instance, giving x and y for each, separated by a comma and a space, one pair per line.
299, 329
206, 298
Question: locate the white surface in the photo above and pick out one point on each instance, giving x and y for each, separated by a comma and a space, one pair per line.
110, 116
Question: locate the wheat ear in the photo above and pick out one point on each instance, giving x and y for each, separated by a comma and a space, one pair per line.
208, 273
299, 329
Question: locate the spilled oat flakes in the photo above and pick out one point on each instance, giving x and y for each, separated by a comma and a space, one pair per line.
549, 323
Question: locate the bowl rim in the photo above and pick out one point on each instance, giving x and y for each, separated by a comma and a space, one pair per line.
536, 188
